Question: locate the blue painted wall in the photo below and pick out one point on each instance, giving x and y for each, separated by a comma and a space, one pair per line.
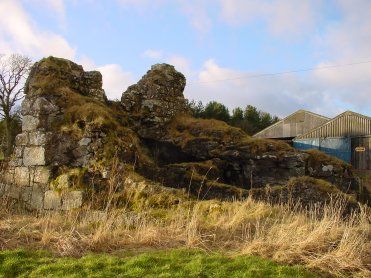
339, 147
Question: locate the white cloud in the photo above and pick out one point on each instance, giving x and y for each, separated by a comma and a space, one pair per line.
348, 41
283, 17
152, 54
325, 91
195, 10
52, 8
240, 92
181, 64
142, 6
18, 33
280, 95
115, 80
134, 2
57, 6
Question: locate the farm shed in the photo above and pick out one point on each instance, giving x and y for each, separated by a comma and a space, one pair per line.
293, 125
347, 136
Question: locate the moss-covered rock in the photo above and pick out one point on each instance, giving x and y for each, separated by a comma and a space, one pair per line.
82, 136
155, 100
51, 74
308, 192
71, 179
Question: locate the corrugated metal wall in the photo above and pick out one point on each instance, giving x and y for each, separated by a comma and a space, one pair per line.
338, 147
297, 123
348, 124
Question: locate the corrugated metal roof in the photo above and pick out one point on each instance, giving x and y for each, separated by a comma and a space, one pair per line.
346, 124
296, 117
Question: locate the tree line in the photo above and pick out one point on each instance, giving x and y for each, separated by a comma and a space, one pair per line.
250, 119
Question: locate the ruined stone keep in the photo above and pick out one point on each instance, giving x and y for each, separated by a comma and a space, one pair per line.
71, 134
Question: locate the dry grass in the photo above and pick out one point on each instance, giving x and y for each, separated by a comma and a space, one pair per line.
188, 128
317, 157
329, 243
154, 217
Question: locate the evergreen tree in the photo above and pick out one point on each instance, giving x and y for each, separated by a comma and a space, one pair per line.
216, 110
251, 120
196, 108
237, 117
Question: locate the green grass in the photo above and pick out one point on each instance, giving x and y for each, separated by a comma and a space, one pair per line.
170, 263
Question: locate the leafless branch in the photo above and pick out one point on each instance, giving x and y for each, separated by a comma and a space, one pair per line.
13, 71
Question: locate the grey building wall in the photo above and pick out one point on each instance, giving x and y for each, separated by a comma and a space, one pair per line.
293, 125
347, 124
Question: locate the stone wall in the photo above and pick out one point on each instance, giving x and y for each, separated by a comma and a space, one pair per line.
29, 171
40, 149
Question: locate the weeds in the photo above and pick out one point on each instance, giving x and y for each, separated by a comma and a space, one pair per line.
316, 237
329, 244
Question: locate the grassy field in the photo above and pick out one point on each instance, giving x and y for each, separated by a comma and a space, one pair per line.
248, 237
170, 263
245, 229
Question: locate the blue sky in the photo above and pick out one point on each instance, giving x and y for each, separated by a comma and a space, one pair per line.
209, 41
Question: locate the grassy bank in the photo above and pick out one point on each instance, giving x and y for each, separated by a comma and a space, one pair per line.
170, 263
323, 241
145, 216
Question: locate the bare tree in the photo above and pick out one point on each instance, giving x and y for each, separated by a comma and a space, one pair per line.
14, 70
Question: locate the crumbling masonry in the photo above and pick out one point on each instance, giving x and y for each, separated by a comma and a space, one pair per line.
71, 133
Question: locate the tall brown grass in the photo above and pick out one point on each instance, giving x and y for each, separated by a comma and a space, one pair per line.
319, 237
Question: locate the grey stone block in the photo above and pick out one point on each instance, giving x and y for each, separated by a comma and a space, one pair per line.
18, 152
37, 197
37, 138
40, 174
21, 139
26, 194
26, 106
22, 176
30, 123
52, 200
42, 106
34, 156
13, 191
72, 200
85, 141
16, 162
